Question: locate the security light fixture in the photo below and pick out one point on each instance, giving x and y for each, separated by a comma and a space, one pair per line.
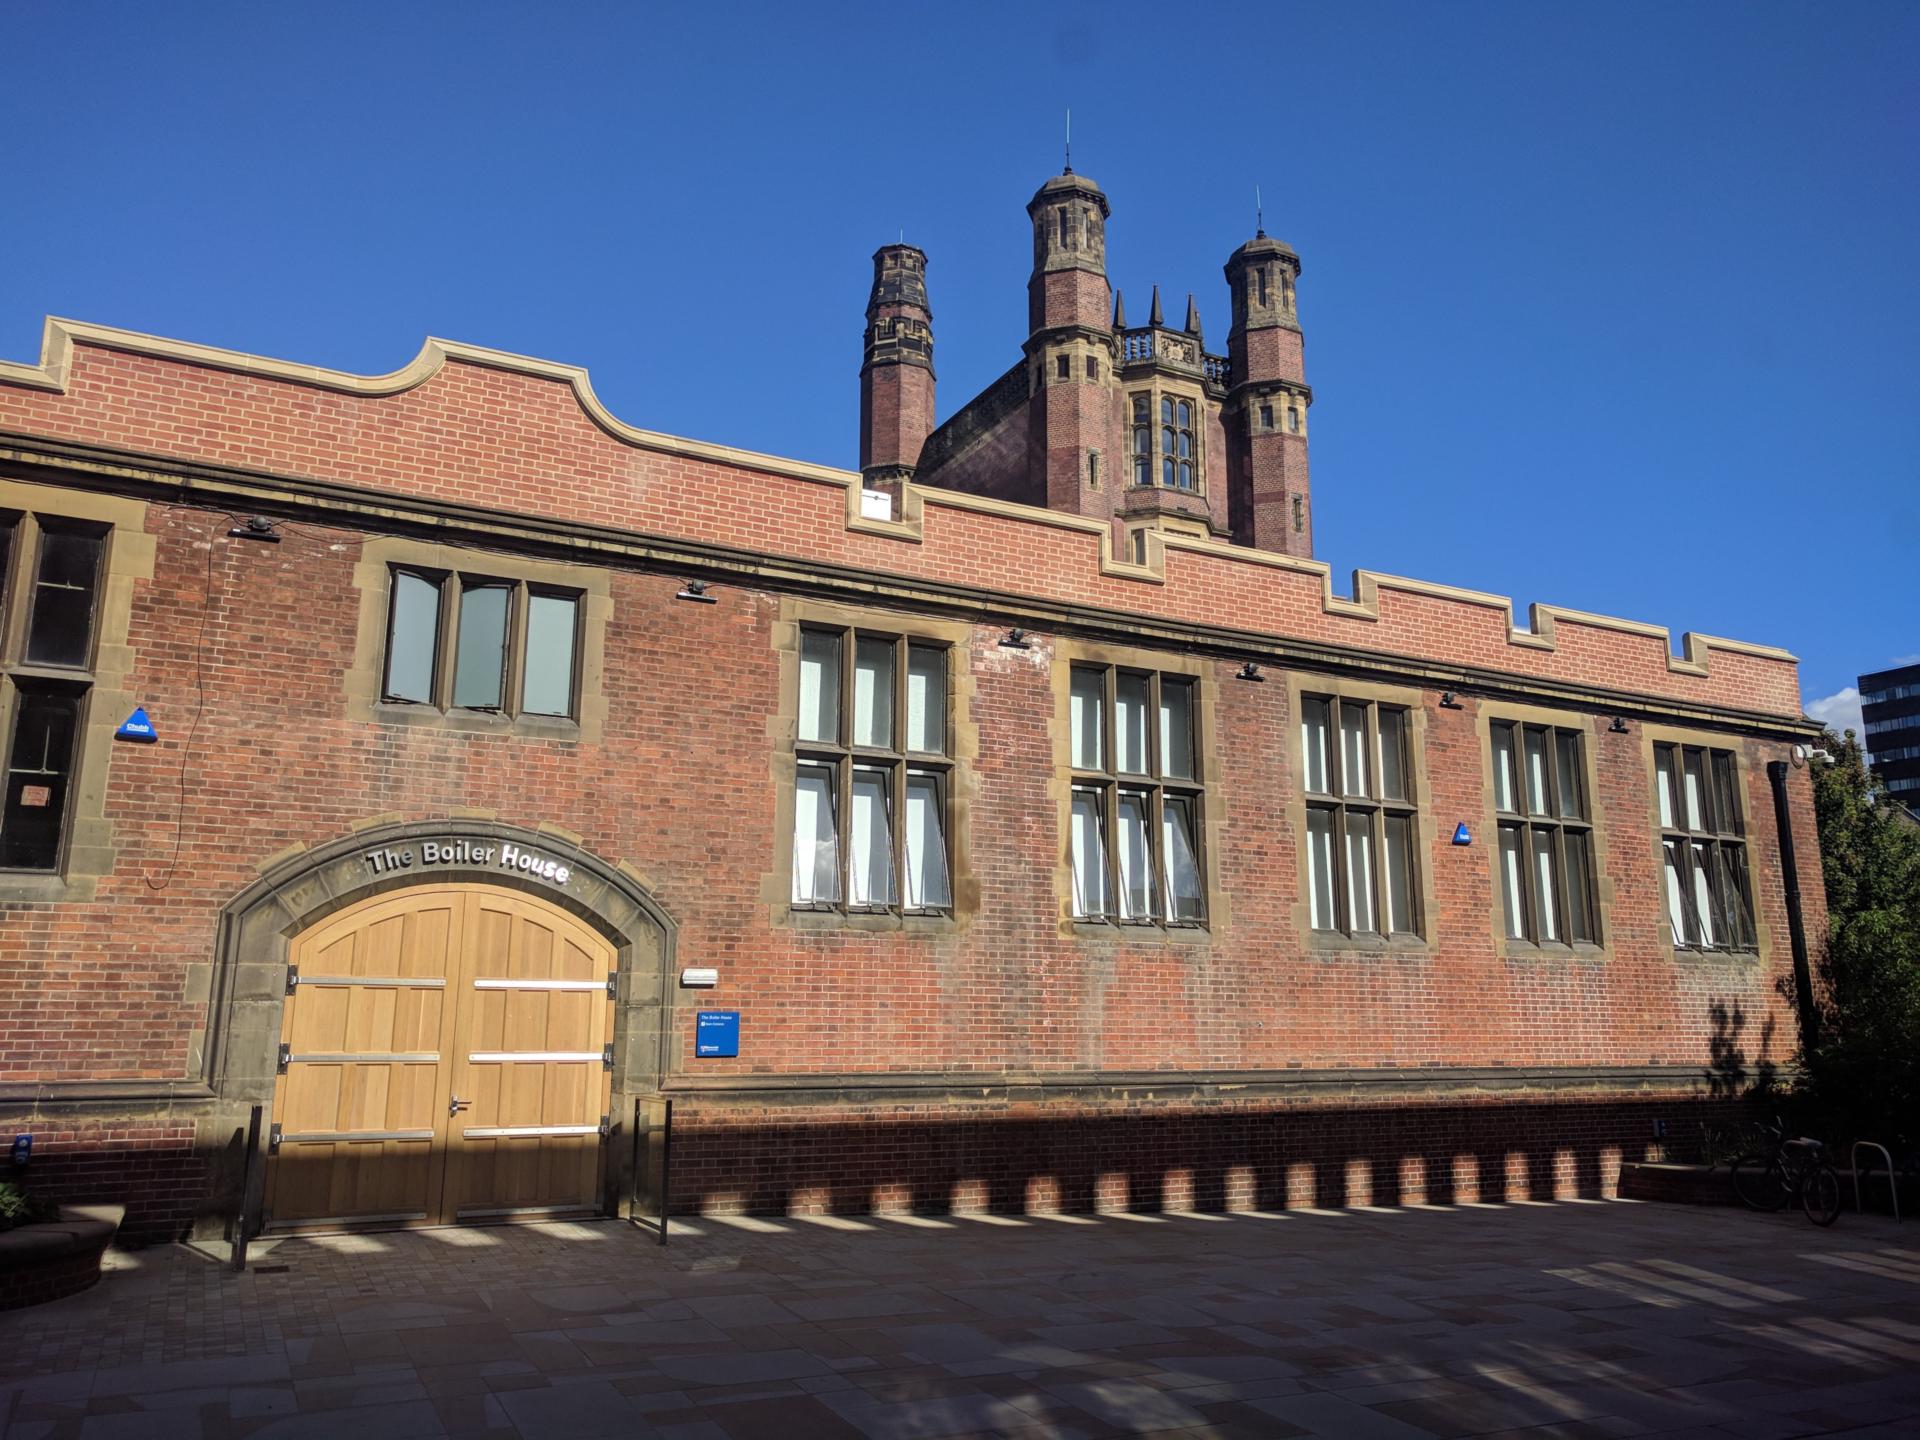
1249, 671
1447, 702
696, 590
255, 527
1015, 639
1618, 727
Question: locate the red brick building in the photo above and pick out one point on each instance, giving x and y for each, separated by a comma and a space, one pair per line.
1056, 832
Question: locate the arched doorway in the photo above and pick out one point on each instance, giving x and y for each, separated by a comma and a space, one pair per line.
440, 1022
446, 1056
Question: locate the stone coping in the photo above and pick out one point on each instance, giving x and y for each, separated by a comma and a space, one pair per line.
80, 1230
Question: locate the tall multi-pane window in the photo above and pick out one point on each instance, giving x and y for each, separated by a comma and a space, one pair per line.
1141, 444
872, 777
1703, 848
1134, 822
1175, 452
464, 642
1545, 826
1362, 825
1176, 443
49, 616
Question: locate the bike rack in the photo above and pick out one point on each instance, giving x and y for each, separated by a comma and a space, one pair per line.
1893, 1180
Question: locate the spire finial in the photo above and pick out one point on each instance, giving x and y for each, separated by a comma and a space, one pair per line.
1069, 169
1193, 316
1259, 216
1154, 317
1119, 311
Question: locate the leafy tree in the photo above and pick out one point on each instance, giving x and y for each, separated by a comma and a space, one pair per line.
1865, 1068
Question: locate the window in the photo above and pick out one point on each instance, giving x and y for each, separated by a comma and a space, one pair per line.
1293, 417
1362, 825
1093, 368
1093, 469
1178, 457
465, 642
1176, 443
1266, 416
1299, 514
1545, 835
1142, 440
1703, 848
1134, 820
1063, 366
50, 569
871, 774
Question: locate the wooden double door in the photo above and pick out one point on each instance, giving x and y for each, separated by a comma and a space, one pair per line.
445, 1058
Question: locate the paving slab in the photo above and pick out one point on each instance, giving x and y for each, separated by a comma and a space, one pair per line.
1541, 1321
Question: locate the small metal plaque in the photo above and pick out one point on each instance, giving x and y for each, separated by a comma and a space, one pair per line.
716, 1034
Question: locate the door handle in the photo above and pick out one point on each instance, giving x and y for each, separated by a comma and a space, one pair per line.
456, 1105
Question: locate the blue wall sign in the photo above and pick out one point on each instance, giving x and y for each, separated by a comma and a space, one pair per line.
137, 728
1462, 835
22, 1150
716, 1034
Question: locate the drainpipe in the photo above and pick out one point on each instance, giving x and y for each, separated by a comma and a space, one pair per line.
1796, 926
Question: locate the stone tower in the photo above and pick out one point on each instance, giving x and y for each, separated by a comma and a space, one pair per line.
896, 377
1266, 410
1070, 347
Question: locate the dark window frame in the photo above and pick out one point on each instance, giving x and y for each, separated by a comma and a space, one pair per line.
842, 756
1559, 826
450, 588
22, 536
1376, 806
1724, 836
1111, 783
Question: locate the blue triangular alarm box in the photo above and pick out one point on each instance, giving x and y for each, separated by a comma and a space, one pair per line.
137, 727
1461, 835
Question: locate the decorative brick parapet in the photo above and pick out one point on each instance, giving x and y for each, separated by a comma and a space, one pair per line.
462, 425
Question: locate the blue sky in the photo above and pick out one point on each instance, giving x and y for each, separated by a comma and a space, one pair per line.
1610, 306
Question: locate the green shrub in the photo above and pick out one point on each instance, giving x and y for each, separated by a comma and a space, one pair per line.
17, 1207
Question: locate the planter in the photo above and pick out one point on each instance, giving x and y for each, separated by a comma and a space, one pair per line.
58, 1258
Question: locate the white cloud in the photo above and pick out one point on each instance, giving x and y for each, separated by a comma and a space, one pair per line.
1839, 712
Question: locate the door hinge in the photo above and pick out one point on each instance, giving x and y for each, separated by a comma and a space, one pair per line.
613, 984
293, 978
606, 1057
606, 1126
273, 1141
286, 1055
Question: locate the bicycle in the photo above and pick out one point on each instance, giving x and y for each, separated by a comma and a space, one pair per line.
1785, 1170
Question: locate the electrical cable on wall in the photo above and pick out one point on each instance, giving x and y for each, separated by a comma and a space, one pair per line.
199, 704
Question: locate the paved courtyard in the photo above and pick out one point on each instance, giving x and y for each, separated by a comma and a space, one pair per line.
1594, 1319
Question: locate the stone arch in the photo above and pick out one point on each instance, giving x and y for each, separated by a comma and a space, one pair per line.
301, 889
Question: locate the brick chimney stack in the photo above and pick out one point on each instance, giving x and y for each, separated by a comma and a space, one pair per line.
1266, 411
896, 377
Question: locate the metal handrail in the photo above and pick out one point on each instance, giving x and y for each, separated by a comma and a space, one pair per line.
1893, 1179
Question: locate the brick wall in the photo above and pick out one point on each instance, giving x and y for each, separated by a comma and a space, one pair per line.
488, 436
153, 1168
680, 787
1224, 1155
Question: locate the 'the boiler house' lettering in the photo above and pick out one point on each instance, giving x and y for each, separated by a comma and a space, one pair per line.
392, 859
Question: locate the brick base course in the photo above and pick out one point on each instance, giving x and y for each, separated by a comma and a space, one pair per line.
55, 1280
1148, 1156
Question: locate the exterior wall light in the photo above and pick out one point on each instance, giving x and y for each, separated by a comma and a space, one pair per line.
696, 590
